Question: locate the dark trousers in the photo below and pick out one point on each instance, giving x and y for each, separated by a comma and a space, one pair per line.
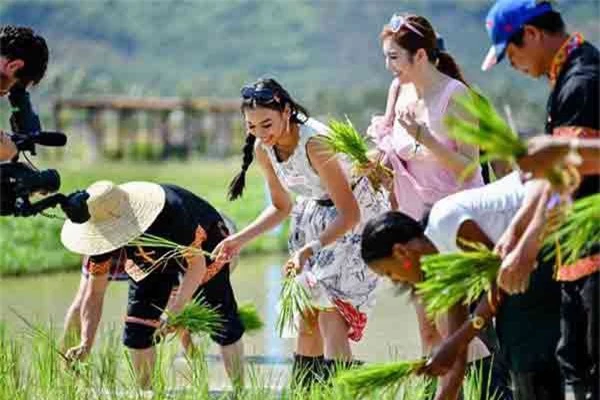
578, 350
542, 384
528, 327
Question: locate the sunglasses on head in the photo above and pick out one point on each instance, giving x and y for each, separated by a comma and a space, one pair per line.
264, 95
397, 22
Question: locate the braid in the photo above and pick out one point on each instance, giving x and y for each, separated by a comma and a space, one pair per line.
236, 187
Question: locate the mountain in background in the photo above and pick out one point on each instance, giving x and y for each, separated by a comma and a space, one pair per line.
327, 52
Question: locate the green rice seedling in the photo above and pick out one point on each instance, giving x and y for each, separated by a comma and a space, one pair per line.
417, 387
250, 318
363, 382
579, 230
476, 386
485, 129
343, 138
294, 300
10, 363
106, 364
196, 317
455, 277
177, 252
197, 377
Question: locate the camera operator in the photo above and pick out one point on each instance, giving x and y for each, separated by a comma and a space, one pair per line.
23, 62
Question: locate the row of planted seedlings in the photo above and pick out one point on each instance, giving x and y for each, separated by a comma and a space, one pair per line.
32, 367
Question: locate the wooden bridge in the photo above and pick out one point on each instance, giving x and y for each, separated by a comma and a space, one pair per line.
152, 127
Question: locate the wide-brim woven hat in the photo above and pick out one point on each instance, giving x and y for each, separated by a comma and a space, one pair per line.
118, 214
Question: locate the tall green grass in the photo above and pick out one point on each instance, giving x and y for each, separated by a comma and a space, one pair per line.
32, 245
30, 368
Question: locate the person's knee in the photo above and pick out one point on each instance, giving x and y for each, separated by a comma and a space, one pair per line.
138, 336
230, 333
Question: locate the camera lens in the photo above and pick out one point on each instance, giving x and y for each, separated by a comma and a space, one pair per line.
45, 181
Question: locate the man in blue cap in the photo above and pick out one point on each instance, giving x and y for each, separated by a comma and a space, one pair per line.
532, 35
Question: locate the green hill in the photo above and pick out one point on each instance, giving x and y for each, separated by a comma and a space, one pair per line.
326, 51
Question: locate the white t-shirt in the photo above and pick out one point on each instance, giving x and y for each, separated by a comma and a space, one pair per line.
491, 207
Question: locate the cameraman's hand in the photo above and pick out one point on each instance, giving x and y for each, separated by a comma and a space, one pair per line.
8, 149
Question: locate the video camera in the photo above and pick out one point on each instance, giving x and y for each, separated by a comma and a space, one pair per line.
18, 181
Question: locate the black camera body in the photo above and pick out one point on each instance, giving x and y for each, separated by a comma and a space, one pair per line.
18, 181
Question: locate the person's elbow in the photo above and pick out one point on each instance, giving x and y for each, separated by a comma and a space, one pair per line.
284, 207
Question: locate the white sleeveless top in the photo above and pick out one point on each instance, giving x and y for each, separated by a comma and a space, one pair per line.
296, 173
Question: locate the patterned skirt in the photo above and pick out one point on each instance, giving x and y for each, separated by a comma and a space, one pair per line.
337, 277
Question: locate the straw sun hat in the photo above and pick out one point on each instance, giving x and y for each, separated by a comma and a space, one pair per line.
118, 214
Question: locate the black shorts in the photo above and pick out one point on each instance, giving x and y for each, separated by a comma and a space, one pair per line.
147, 299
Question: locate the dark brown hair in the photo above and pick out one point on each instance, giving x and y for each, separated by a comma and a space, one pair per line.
22, 43
299, 114
411, 42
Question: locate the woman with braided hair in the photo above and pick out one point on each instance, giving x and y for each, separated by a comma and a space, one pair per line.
326, 222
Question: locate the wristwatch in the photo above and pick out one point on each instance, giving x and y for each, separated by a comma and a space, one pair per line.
477, 322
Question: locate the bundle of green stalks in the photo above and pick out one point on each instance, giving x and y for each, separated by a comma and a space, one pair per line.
294, 300
455, 277
250, 318
196, 317
363, 382
487, 130
176, 251
579, 230
343, 138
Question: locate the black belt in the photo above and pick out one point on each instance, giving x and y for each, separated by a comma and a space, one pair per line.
329, 202
325, 202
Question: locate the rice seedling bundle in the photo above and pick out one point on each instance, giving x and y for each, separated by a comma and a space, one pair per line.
364, 381
454, 277
580, 229
294, 300
343, 138
196, 317
488, 131
176, 252
250, 318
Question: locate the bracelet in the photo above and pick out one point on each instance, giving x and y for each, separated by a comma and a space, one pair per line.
315, 246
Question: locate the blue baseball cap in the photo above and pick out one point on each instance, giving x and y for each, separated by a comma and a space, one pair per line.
505, 18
